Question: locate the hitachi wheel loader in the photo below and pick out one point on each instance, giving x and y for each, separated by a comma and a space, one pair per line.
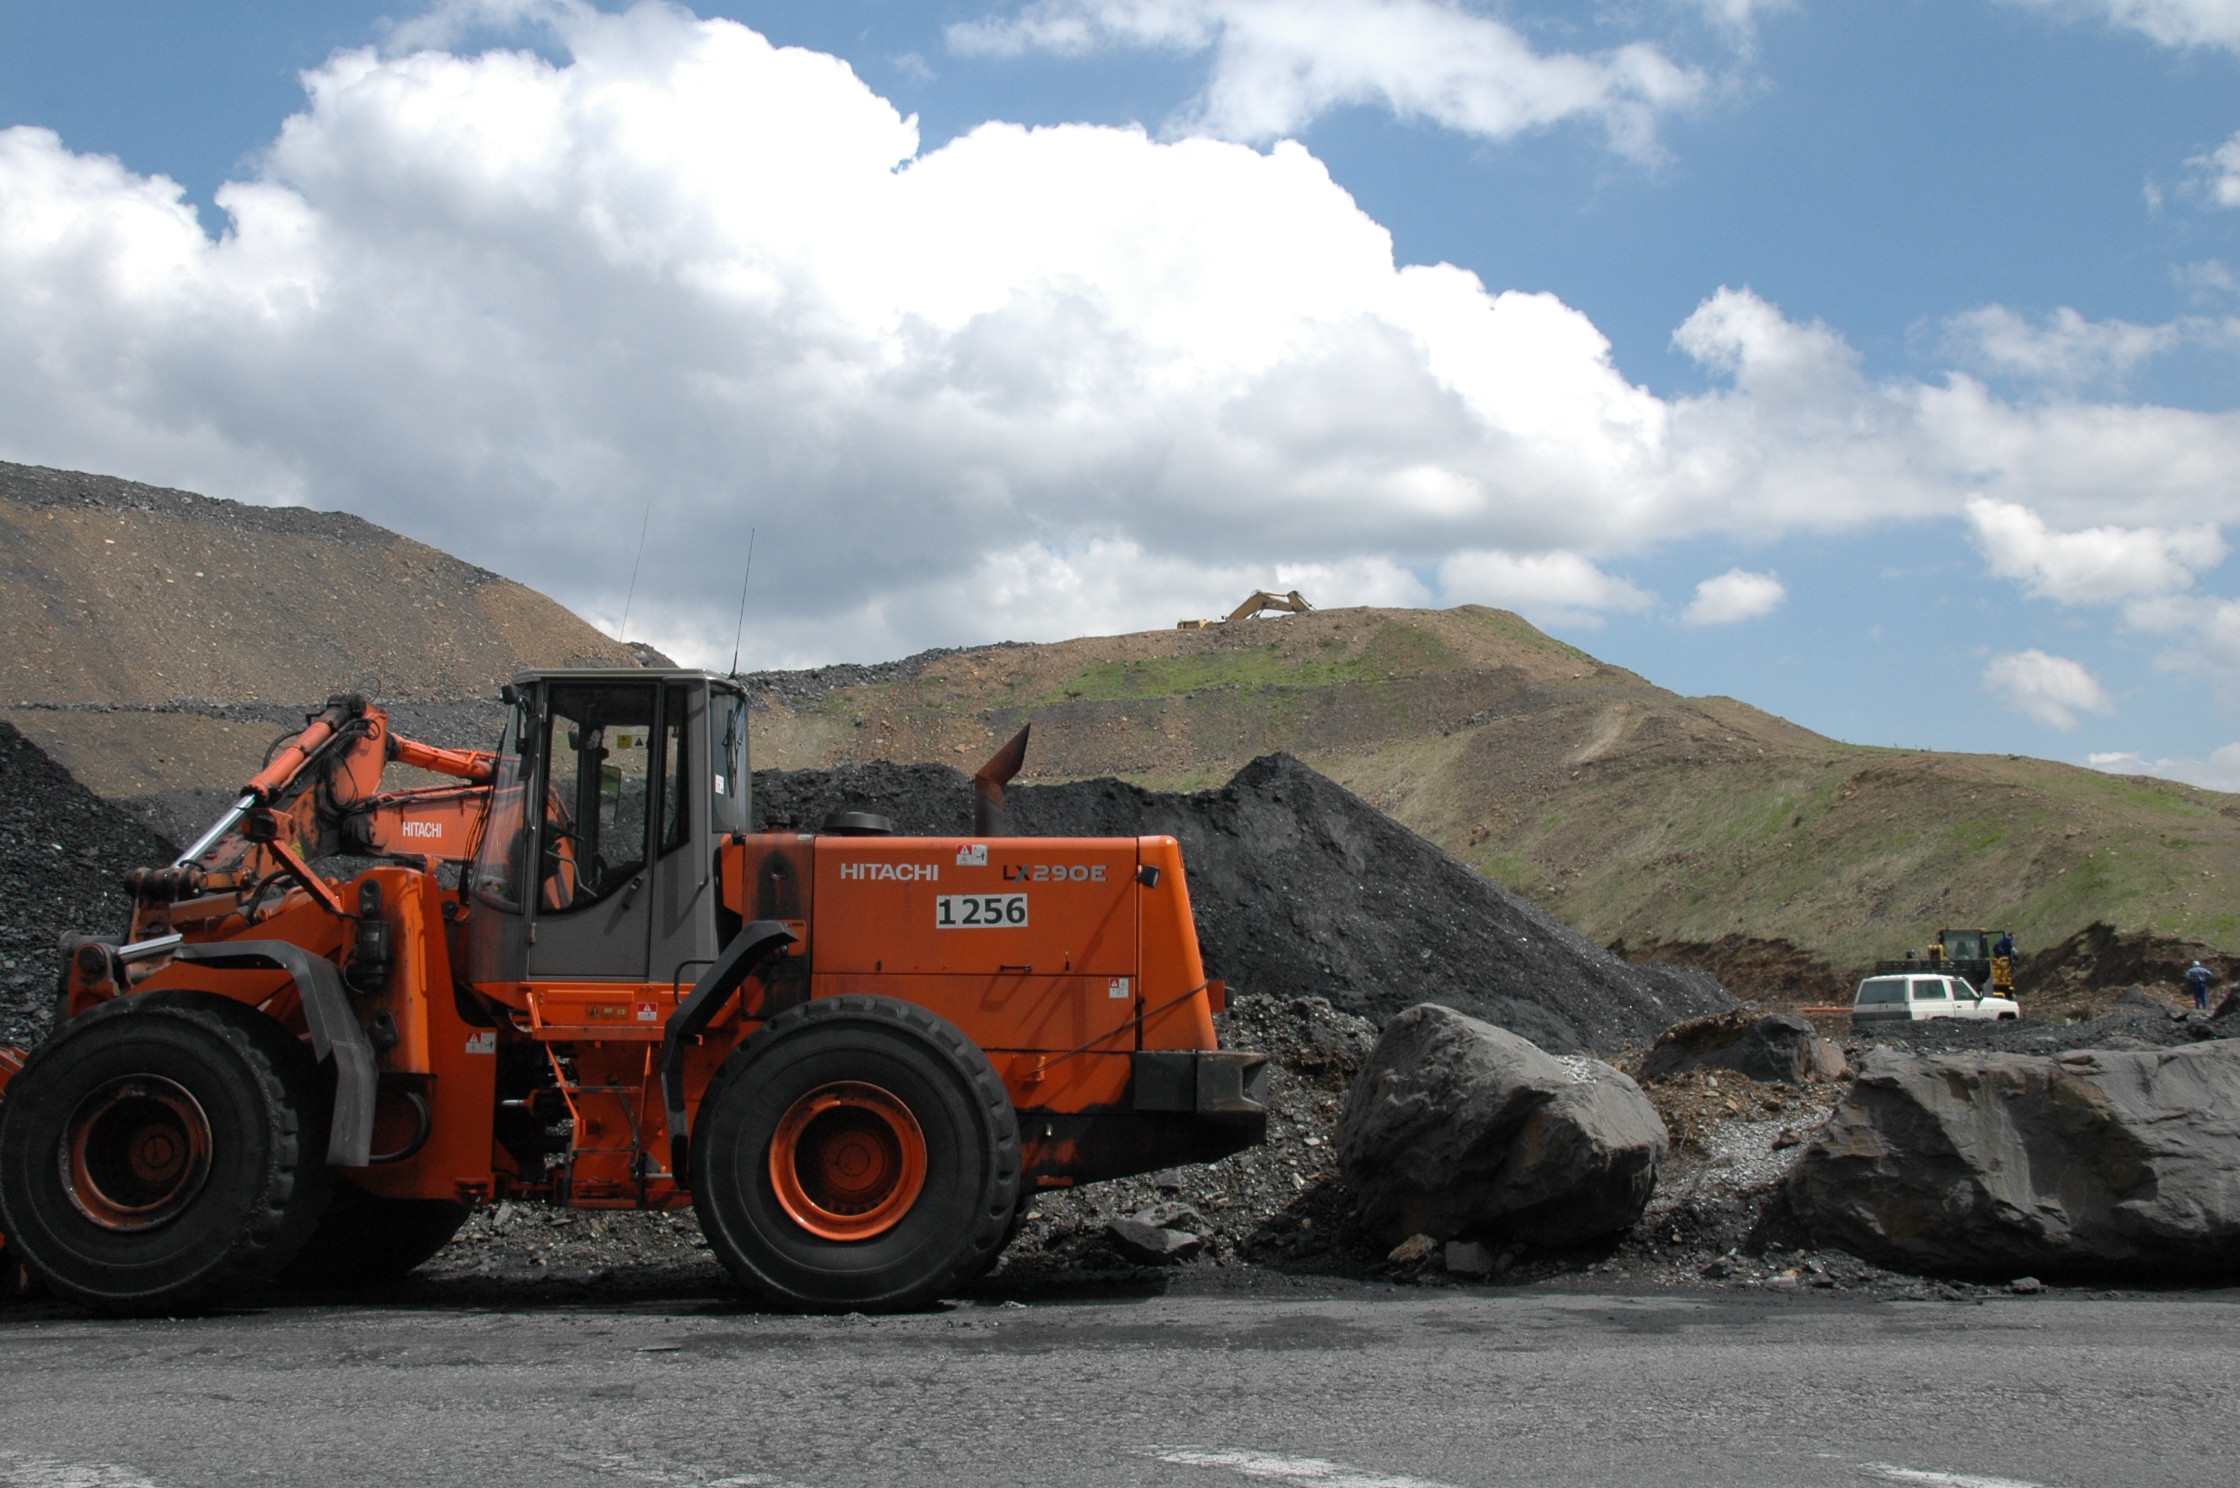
574, 975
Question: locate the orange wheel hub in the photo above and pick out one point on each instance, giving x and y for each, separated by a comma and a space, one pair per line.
135, 1153
848, 1161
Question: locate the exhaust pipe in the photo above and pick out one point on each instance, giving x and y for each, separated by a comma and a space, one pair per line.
987, 786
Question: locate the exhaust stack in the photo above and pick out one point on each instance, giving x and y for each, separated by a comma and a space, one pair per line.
987, 786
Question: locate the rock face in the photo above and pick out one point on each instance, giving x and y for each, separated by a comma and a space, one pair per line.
1777, 1049
1457, 1128
2092, 1162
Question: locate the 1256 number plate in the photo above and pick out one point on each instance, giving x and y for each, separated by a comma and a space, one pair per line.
979, 911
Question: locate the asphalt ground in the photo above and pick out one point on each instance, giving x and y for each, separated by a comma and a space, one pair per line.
1359, 1387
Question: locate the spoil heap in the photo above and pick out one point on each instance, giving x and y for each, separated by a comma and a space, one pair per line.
63, 854
1301, 888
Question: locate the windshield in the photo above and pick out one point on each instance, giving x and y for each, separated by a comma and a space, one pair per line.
497, 874
1881, 990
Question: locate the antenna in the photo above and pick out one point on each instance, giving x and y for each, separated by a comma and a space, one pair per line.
624, 633
740, 633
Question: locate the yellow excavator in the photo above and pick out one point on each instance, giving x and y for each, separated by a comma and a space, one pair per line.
1260, 603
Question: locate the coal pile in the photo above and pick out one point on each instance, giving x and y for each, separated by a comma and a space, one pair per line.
1301, 888
63, 855
921, 800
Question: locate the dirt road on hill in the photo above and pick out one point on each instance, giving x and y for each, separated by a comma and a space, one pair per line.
1345, 1387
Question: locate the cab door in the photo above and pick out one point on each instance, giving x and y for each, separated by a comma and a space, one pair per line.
694, 782
593, 915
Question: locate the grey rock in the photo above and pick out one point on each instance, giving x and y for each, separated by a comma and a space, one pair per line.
1777, 1049
1159, 1234
1828, 1062
2096, 1161
1468, 1258
1455, 1127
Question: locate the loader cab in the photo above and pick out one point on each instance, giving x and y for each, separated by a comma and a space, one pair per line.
1965, 945
611, 791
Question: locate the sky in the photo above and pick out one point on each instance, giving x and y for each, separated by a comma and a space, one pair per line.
1871, 361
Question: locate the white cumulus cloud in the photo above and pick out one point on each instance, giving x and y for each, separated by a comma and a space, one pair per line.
2177, 23
2050, 689
2219, 772
1035, 383
1734, 595
2099, 565
2217, 174
1549, 589
2067, 349
1278, 65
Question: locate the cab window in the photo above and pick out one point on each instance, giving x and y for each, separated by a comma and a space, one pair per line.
1876, 991
599, 748
727, 777
1928, 989
676, 825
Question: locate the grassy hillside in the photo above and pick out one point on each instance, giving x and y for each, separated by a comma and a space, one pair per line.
1634, 813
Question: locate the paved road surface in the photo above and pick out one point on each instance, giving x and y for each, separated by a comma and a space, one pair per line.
1412, 1391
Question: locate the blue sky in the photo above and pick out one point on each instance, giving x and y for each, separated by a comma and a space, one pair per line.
1922, 320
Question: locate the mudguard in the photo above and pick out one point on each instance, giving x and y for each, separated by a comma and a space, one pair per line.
335, 1034
754, 944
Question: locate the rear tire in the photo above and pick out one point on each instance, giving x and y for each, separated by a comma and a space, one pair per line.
856, 1153
162, 1152
369, 1240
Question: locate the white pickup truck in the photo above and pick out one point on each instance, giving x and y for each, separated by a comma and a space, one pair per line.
1914, 996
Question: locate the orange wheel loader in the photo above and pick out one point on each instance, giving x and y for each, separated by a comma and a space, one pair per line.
575, 975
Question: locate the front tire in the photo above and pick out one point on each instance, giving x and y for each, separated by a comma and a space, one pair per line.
856, 1153
162, 1152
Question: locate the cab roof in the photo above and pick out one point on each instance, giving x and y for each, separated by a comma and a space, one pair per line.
624, 674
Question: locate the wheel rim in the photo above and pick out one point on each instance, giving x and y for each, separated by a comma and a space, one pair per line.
848, 1160
135, 1153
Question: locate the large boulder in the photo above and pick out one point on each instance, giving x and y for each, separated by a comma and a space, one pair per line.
1997, 1164
1455, 1127
1776, 1049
